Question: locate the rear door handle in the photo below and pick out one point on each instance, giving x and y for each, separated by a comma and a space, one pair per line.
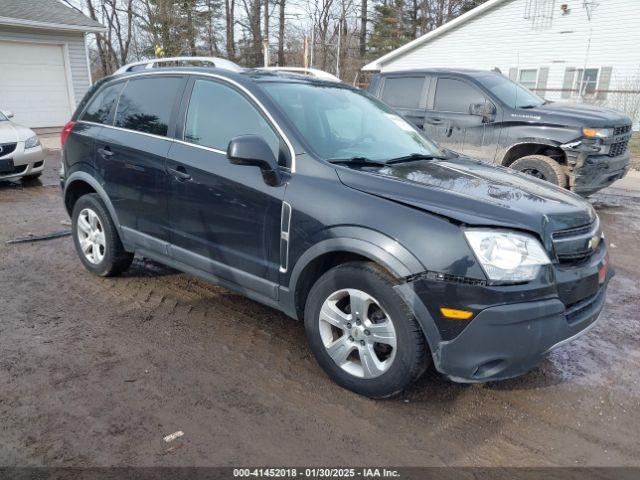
105, 153
179, 172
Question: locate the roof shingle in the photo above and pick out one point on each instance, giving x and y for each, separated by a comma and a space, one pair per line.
45, 12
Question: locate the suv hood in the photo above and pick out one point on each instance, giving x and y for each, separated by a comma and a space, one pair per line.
475, 193
579, 115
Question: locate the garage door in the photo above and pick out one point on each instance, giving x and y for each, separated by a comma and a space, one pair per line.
33, 84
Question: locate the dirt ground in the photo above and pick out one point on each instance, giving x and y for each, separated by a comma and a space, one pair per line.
95, 372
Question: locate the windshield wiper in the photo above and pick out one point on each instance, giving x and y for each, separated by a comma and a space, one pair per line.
415, 157
357, 161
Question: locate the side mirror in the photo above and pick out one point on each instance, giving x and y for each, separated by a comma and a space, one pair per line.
7, 113
486, 110
252, 150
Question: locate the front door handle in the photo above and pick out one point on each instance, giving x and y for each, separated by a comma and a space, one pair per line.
105, 153
180, 173
434, 121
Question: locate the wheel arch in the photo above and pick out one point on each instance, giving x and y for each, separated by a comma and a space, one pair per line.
326, 254
81, 183
534, 146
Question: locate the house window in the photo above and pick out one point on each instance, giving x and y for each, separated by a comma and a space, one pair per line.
586, 81
528, 78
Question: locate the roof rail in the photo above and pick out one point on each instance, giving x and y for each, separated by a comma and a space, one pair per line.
312, 72
151, 63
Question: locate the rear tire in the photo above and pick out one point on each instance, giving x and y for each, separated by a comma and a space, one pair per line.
542, 167
377, 351
96, 238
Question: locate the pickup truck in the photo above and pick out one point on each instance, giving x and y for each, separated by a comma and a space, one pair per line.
485, 115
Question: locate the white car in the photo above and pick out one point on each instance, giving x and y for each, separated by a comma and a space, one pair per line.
21, 154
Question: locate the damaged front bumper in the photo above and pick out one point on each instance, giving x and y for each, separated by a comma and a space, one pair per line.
513, 326
590, 167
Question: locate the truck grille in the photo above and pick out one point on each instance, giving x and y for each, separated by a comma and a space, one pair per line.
618, 148
621, 130
575, 245
7, 148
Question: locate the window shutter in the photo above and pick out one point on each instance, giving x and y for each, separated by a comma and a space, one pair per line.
543, 75
513, 74
567, 85
604, 82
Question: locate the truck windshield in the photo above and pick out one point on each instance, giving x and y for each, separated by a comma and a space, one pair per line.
341, 123
511, 93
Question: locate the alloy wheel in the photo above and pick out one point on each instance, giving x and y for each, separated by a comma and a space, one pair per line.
91, 236
357, 333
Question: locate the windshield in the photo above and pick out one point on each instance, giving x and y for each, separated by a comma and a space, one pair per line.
511, 93
340, 123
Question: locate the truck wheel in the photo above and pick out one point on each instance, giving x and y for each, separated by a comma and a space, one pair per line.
542, 167
96, 239
362, 333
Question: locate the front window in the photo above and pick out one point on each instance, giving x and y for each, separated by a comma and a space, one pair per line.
510, 93
341, 123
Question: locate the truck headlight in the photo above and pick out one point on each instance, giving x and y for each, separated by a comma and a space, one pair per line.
507, 256
31, 142
597, 132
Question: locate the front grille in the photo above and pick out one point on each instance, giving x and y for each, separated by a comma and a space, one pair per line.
575, 245
618, 148
7, 148
621, 130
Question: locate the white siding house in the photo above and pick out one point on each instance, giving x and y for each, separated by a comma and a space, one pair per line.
574, 50
43, 60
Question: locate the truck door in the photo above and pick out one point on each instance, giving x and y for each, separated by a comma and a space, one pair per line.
459, 116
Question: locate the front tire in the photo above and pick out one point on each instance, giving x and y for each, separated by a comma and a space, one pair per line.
542, 167
96, 238
362, 333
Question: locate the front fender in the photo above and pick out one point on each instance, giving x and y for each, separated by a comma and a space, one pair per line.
371, 244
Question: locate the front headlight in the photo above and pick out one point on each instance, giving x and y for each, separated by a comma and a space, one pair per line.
597, 132
507, 256
31, 142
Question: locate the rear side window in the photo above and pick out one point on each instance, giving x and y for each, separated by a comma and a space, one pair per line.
218, 113
403, 92
100, 106
456, 96
146, 104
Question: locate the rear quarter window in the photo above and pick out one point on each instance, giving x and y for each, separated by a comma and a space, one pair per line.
146, 104
403, 92
99, 107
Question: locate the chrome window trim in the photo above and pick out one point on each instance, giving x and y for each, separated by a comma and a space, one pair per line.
127, 130
274, 124
202, 147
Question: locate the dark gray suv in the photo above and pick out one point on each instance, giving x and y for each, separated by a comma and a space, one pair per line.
485, 115
317, 199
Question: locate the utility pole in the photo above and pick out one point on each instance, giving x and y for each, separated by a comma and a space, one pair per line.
305, 52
